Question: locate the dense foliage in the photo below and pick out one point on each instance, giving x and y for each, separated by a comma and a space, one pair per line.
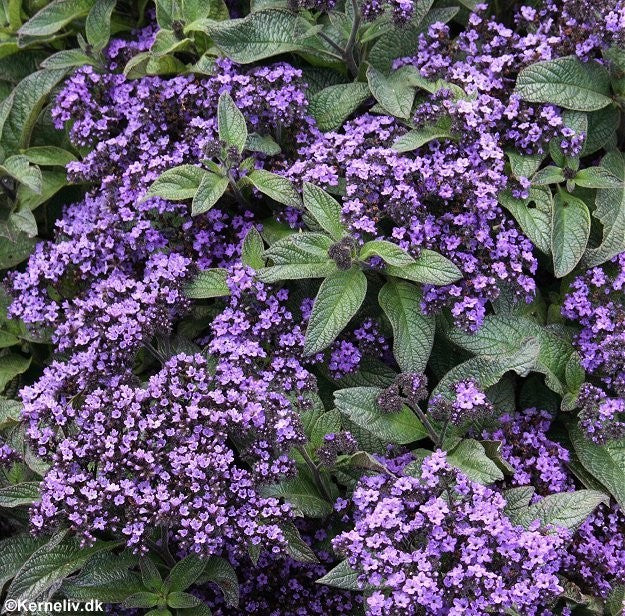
313, 307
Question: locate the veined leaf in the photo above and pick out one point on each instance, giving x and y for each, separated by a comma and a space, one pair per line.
19, 494
54, 16
98, 23
470, 457
566, 82
231, 122
334, 104
211, 189
177, 183
570, 230
388, 251
394, 92
324, 209
413, 332
208, 283
339, 298
429, 268
275, 186
359, 405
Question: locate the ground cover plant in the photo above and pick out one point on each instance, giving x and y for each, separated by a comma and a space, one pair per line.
312, 307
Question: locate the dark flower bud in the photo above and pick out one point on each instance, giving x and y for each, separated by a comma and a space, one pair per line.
342, 252
413, 386
335, 444
389, 400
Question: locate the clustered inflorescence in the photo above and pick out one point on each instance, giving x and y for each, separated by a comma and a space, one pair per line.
154, 411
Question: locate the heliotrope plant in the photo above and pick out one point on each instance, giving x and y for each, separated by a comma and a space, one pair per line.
313, 307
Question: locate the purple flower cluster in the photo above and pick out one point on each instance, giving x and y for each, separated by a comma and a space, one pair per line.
278, 586
537, 460
402, 11
335, 444
595, 557
441, 544
469, 404
347, 352
139, 457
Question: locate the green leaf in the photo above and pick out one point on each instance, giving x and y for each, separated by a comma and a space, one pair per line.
501, 335
177, 183
566, 82
300, 248
602, 126
429, 268
260, 35
523, 165
150, 575
339, 298
416, 138
548, 175
12, 365
50, 564
19, 494
303, 495
402, 42
231, 122
49, 155
296, 547
487, 370
20, 169
210, 190
301, 271
20, 110
10, 411
470, 457
533, 215
182, 600
517, 499
253, 249
98, 24
53, 180
184, 573
393, 92
208, 283
106, 577
324, 209
275, 186
220, 572
610, 211
342, 576
141, 599
388, 251
54, 16
67, 58
14, 552
413, 332
605, 462
262, 143
334, 104
570, 230
359, 405
566, 510
14, 252
596, 177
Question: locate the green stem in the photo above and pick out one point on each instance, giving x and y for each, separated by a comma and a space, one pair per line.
316, 474
349, 49
434, 437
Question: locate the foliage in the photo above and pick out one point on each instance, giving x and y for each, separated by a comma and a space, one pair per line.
313, 306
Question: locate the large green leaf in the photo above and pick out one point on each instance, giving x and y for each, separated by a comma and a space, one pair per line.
20, 110
98, 23
610, 211
570, 230
275, 186
470, 457
19, 494
184, 573
486, 370
605, 462
177, 183
342, 576
334, 104
533, 215
413, 331
54, 16
210, 190
567, 82
566, 510
325, 210
14, 552
303, 495
359, 405
51, 564
220, 572
394, 92
231, 122
12, 365
504, 335
260, 35
428, 268
339, 298
208, 283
